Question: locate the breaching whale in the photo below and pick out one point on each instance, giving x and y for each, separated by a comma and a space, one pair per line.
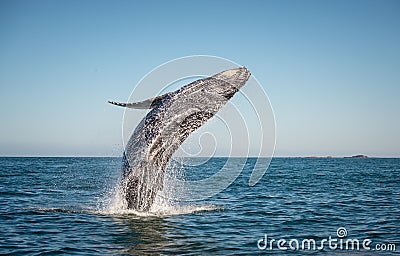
172, 118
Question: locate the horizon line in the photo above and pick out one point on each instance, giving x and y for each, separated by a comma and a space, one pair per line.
111, 156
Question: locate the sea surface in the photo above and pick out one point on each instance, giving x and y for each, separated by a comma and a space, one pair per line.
51, 206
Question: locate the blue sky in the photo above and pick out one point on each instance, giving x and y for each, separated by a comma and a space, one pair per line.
331, 69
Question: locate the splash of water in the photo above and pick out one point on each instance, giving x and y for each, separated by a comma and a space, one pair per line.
167, 202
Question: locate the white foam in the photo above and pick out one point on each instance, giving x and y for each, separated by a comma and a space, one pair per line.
166, 203
163, 206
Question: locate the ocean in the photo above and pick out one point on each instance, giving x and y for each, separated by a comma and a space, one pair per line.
66, 205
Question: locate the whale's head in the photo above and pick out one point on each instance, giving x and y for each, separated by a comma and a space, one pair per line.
234, 80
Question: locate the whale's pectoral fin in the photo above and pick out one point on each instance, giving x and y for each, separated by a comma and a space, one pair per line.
146, 104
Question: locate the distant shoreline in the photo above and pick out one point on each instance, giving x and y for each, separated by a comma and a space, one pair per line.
353, 156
